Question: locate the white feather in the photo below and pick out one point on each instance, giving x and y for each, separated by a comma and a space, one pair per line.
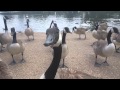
42, 76
59, 40
109, 50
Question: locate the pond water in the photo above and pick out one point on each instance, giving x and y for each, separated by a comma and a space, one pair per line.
40, 20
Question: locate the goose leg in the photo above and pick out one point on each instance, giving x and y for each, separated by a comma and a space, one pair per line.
79, 36
22, 61
96, 63
28, 38
117, 50
33, 37
13, 62
63, 65
105, 63
1, 48
85, 36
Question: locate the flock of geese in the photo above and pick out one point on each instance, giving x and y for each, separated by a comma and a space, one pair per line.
105, 46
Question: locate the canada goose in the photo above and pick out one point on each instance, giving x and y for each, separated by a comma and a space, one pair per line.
104, 48
51, 23
116, 40
99, 34
64, 45
5, 37
65, 50
28, 30
103, 26
4, 71
15, 47
80, 31
54, 38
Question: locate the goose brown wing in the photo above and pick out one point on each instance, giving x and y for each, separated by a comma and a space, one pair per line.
98, 46
21, 45
67, 73
4, 71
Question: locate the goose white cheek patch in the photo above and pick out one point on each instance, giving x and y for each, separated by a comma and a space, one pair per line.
59, 40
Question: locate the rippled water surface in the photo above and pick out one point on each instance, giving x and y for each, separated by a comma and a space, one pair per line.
39, 22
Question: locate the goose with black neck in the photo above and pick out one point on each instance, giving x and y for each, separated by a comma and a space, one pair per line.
65, 49
104, 48
15, 47
54, 39
64, 45
28, 31
5, 37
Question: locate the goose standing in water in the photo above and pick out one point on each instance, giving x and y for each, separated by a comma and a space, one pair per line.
15, 47
104, 48
5, 37
28, 31
54, 38
4, 71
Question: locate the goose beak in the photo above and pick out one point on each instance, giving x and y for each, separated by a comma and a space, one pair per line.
49, 40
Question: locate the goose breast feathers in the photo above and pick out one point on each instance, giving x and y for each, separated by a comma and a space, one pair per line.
67, 73
29, 31
16, 48
98, 47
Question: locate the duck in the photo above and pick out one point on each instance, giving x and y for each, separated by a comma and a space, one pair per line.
104, 48
28, 30
15, 47
80, 31
54, 38
99, 34
5, 37
4, 71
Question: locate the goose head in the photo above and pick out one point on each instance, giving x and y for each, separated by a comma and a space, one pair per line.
74, 28
67, 30
115, 30
53, 37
